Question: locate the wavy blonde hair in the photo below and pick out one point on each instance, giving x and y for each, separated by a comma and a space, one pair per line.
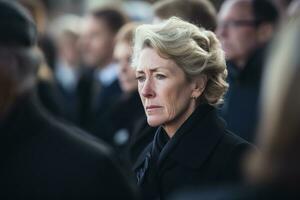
195, 50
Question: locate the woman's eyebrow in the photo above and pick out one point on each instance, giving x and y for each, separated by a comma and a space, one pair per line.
154, 69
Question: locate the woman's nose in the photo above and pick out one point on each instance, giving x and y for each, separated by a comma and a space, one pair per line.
147, 89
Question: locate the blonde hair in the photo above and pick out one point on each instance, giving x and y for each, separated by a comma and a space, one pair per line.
195, 50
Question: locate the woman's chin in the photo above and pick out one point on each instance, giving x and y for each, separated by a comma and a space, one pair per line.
154, 122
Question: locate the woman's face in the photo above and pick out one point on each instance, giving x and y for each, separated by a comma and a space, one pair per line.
165, 92
126, 74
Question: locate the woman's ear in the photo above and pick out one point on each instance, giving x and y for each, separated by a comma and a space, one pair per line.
198, 85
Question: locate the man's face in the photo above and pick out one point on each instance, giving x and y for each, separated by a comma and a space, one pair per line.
237, 31
97, 42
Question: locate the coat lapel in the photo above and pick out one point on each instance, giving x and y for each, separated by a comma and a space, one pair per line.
194, 141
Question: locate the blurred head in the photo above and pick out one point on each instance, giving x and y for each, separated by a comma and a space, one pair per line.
178, 67
123, 54
68, 49
18, 60
244, 26
67, 31
279, 130
99, 30
199, 12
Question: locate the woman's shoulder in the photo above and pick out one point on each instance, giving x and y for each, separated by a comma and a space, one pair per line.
230, 154
232, 140
232, 146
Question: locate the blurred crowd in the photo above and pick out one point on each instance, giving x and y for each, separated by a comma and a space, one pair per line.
76, 88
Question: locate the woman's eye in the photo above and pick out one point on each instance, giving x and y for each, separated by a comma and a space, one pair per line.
140, 78
160, 76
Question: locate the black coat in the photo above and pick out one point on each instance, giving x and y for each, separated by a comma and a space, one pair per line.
244, 192
117, 124
44, 159
122, 117
142, 135
95, 100
201, 152
240, 109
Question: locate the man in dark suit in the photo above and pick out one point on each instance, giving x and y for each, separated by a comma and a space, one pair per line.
99, 88
40, 157
245, 29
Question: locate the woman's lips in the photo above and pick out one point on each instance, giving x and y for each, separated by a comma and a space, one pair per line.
151, 107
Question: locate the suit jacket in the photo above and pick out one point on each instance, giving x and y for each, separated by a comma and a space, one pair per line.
42, 158
117, 124
95, 100
243, 95
202, 152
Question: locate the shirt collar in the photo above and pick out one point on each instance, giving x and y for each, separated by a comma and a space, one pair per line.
108, 74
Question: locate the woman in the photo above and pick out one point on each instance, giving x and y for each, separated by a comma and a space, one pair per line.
117, 124
181, 75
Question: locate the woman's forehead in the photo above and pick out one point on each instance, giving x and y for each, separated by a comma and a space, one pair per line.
151, 60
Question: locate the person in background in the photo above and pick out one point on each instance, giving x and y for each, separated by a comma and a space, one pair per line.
245, 28
181, 74
68, 69
42, 158
199, 12
100, 86
117, 124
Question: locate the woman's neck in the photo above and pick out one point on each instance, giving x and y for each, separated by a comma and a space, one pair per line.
172, 126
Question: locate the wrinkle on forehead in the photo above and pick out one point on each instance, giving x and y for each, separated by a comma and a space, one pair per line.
152, 61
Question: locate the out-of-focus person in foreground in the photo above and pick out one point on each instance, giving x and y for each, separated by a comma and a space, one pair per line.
42, 158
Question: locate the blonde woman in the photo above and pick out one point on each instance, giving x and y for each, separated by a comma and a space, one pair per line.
181, 75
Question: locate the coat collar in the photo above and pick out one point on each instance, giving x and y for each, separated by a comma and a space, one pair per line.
195, 139
193, 142
141, 157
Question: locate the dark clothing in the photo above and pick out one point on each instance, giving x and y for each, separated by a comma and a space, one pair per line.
62, 104
258, 192
201, 152
95, 100
44, 159
240, 109
71, 104
116, 126
85, 105
142, 135
49, 96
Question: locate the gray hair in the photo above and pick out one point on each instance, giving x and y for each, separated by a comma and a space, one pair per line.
195, 50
